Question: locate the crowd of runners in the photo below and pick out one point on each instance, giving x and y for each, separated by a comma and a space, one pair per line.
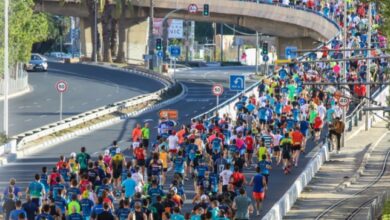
148, 180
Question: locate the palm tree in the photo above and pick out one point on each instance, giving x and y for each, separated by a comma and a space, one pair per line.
91, 11
107, 28
121, 7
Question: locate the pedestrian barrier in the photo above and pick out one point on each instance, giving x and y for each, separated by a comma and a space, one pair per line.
34, 134
281, 207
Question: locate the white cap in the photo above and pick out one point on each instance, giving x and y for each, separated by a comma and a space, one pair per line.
118, 150
203, 197
174, 189
106, 152
73, 154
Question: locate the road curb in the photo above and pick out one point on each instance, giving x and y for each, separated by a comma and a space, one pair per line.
25, 152
20, 93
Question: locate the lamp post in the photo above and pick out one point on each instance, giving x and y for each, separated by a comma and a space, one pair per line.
95, 32
6, 69
368, 74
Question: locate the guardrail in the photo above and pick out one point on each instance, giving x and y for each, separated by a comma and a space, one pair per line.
222, 108
67, 123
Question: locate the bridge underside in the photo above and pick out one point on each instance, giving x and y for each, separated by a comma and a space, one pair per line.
288, 34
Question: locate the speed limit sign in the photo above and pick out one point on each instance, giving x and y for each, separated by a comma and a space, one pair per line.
192, 8
61, 86
217, 89
344, 101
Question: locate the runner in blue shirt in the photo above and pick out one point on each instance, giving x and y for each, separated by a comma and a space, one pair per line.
45, 215
155, 191
178, 163
259, 187
98, 208
265, 166
122, 213
75, 216
86, 205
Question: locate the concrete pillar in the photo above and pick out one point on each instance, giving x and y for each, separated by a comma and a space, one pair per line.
300, 43
137, 41
85, 37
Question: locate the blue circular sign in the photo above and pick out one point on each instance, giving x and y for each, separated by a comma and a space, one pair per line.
265, 58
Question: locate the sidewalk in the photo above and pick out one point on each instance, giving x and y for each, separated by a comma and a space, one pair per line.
342, 169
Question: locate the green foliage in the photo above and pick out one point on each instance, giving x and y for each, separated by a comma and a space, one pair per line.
25, 28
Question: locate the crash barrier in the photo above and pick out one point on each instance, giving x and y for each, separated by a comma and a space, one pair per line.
34, 134
280, 208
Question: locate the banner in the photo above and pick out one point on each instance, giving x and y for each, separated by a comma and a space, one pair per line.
175, 28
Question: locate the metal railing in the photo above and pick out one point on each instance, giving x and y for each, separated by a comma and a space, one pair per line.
73, 121
18, 81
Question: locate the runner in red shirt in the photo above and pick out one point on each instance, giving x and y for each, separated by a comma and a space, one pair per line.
317, 127
249, 141
140, 155
297, 139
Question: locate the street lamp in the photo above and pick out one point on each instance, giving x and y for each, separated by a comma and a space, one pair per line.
95, 31
6, 70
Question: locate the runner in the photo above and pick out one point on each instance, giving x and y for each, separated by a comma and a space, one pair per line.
117, 164
297, 140
259, 184
286, 145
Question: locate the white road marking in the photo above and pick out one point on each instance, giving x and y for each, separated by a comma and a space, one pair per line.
42, 116
27, 120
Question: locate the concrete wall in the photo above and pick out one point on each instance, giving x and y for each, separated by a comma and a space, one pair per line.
137, 41
300, 43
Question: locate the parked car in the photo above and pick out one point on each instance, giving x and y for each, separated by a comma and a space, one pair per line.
37, 63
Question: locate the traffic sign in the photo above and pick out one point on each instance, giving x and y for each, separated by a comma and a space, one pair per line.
169, 114
217, 89
160, 54
291, 52
192, 8
237, 82
265, 58
343, 101
61, 86
175, 51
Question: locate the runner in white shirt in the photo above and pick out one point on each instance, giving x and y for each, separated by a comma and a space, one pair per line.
173, 143
225, 177
276, 148
337, 110
137, 177
321, 111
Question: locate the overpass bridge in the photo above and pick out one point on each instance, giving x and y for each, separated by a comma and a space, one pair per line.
292, 27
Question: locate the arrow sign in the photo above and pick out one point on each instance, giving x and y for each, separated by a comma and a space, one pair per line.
237, 82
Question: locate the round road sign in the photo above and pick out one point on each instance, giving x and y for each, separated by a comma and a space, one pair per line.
265, 58
61, 86
192, 8
344, 101
217, 89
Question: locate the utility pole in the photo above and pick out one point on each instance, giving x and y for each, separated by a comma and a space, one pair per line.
187, 43
95, 37
6, 67
368, 73
151, 38
257, 53
214, 41
221, 43
345, 36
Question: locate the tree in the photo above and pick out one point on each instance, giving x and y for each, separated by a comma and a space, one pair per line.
25, 28
121, 7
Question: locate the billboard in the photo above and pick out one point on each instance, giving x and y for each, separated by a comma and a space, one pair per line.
175, 28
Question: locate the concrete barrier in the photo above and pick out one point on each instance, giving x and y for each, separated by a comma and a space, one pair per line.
280, 208
284, 204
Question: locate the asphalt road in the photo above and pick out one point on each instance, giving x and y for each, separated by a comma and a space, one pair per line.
89, 87
198, 99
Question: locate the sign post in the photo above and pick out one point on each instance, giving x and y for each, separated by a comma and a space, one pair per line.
175, 52
61, 86
237, 83
217, 91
